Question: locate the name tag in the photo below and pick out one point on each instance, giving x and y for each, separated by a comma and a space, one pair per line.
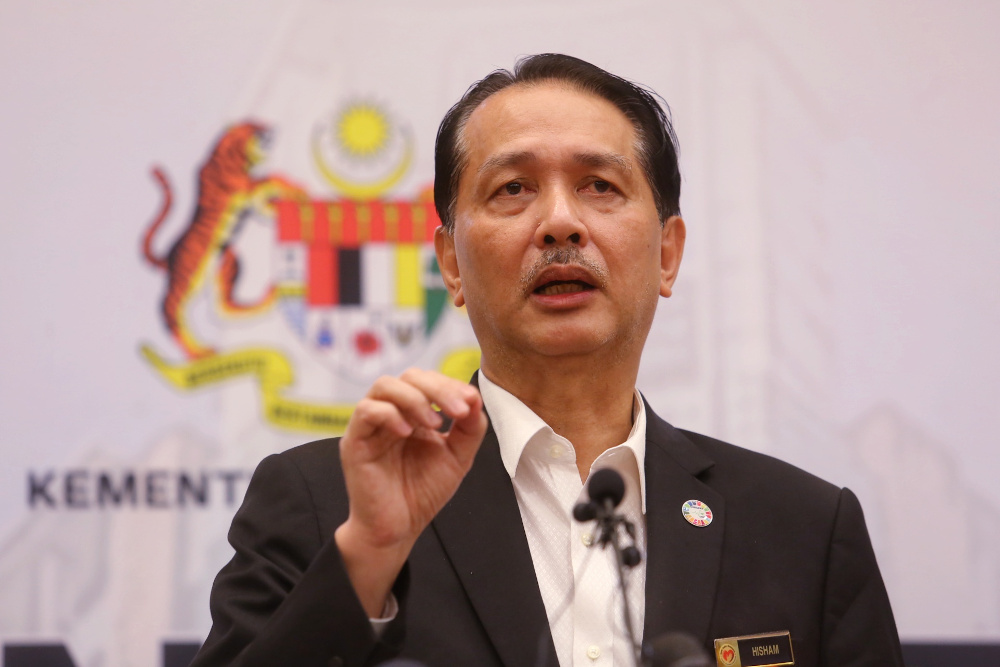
771, 649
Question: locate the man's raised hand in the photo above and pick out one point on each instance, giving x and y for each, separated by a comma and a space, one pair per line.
400, 471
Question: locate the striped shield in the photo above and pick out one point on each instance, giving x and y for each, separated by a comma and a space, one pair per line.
359, 282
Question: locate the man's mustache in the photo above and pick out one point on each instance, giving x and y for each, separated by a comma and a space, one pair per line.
568, 255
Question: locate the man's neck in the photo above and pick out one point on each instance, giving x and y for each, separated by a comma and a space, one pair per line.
589, 404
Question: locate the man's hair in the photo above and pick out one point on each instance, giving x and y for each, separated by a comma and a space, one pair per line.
656, 143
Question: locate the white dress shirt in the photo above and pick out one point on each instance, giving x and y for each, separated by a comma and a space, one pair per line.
578, 583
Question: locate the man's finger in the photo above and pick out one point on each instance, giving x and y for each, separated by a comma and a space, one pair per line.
408, 398
455, 398
466, 434
371, 415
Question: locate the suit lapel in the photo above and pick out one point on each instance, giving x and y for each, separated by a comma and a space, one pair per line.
683, 561
482, 533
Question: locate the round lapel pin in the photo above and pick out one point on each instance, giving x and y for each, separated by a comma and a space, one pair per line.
697, 513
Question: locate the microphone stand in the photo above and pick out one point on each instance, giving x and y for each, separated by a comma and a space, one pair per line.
608, 522
606, 488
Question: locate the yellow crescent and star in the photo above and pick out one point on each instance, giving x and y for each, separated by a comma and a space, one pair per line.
362, 131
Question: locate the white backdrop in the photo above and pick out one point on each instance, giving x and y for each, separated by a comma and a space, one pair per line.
836, 306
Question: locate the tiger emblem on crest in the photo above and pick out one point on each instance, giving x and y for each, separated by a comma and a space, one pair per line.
228, 193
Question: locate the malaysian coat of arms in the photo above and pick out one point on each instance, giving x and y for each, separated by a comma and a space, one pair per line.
354, 277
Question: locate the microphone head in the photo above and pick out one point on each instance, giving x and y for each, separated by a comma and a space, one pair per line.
631, 556
584, 512
606, 485
676, 649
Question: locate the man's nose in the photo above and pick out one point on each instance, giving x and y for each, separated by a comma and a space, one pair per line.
560, 221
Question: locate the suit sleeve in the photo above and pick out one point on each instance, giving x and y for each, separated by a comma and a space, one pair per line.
285, 597
858, 625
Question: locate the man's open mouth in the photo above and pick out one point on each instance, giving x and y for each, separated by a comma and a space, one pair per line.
563, 287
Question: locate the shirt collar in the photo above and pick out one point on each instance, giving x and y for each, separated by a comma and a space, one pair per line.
516, 424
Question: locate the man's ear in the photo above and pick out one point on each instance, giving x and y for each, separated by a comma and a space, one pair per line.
671, 251
444, 246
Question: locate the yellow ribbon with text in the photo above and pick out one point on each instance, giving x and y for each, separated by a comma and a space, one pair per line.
274, 374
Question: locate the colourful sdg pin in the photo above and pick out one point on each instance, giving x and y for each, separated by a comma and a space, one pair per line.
697, 513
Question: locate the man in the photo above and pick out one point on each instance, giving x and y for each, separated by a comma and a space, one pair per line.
558, 189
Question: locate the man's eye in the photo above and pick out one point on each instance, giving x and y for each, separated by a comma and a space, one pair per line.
512, 188
602, 186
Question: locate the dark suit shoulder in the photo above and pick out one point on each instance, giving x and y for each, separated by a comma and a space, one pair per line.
746, 473
317, 465
311, 453
317, 462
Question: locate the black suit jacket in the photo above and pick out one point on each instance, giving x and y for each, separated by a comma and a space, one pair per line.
785, 551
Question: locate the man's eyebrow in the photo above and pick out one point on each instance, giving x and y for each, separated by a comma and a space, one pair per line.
604, 160
504, 160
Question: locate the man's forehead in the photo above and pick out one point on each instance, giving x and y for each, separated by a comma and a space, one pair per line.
516, 95
547, 111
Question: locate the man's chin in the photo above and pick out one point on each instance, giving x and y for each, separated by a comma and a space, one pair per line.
567, 341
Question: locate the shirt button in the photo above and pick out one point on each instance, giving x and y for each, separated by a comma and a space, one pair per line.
587, 539
593, 651
555, 451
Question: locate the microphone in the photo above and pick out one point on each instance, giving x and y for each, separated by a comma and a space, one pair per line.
584, 512
675, 649
606, 489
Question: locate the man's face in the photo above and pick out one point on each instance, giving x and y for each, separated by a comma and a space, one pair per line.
557, 247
